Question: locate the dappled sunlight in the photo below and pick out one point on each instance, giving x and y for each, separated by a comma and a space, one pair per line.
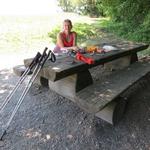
7, 85
4, 72
2, 91
32, 133
6, 82
104, 95
28, 34
107, 94
56, 68
6, 77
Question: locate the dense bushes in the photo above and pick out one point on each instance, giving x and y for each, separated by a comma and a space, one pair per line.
84, 30
128, 18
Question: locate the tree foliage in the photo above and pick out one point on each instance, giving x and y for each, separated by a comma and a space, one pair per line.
85, 7
65, 5
133, 16
128, 10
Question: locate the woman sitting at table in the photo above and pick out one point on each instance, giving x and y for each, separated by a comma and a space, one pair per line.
66, 39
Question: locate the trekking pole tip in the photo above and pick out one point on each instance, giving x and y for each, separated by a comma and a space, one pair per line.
2, 133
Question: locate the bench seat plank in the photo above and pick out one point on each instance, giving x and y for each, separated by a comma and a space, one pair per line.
96, 96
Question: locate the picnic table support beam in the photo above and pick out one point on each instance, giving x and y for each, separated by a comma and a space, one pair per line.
69, 86
113, 112
44, 81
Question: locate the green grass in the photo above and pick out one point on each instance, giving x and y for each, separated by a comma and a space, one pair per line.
23, 34
30, 33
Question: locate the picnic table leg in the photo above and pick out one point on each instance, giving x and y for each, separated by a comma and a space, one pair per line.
69, 86
134, 58
41, 81
44, 82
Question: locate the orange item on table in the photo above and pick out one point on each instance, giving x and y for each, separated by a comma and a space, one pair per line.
91, 49
87, 60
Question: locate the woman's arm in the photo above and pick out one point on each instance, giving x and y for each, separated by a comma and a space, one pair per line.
59, 41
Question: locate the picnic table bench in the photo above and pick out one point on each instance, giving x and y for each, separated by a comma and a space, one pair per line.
73, 80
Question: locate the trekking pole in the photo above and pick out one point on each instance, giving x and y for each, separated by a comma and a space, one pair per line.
22, 78
37, 69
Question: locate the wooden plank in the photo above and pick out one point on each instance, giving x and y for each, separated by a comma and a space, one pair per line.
20, 69
64, 67
97, 96
112, 55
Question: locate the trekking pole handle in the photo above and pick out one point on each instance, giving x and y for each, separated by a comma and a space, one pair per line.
43, 55
52, 57
35, 60
46, 57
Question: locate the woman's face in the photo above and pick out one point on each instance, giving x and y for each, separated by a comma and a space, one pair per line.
67, 27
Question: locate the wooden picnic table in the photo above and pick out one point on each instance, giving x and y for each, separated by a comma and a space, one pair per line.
64, 66
69, 77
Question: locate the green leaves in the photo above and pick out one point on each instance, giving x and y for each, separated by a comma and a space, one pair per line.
84, 31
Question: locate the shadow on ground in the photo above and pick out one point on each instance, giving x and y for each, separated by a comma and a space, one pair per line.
47, 121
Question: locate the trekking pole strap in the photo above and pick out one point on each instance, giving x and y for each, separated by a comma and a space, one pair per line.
52, 57
44, 60
43, 55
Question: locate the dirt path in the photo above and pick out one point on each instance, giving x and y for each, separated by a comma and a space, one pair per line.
47, 121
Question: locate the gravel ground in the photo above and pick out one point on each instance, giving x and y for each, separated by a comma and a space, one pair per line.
47, 121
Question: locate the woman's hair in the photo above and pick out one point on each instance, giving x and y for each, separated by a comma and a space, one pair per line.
69, 21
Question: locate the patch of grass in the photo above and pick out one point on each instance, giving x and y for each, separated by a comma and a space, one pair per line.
29, 33
21, 33
25, 34
85, 31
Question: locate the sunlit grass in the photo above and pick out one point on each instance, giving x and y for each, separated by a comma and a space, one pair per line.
30, 33
22, 33
25, 34
22, 36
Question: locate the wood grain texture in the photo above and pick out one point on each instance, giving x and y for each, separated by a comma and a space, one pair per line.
67, 66
95, 97
113, 112
69, 86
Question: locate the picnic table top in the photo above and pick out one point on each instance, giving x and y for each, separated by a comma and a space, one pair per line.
66, 65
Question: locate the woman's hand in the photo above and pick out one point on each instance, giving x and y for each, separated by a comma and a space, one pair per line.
75, 48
